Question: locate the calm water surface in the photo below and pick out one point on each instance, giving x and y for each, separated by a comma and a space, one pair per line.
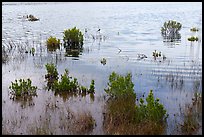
127, 29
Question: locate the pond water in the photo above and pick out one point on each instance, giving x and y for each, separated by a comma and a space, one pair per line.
126, 30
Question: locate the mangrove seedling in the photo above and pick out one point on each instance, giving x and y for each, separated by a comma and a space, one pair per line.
119, 85
156, 54
194, 29
153, 110
22, 88
193, 38
103, 61
73, 38
52, 73
170, 30
66, 84
91, 88
53, 43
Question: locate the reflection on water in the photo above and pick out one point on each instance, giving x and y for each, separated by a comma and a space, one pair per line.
131, 31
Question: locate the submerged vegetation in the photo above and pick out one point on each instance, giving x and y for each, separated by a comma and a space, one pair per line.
123, 114
22, 88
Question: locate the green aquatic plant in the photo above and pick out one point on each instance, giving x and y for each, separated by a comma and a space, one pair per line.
52, 74
119, 85
70, 85
170, 30
152, 110
156, 54
22, 88
92, 87
122, 110
103, 61
66, 84
73, 38
193, 38
53, 43
194, 29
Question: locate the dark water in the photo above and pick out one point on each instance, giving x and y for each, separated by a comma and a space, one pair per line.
127, 29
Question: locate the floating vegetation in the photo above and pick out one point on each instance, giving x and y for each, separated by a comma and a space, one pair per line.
53, 43
194, 29
103, 61
22, 88
122, 113
170, 31
193, 38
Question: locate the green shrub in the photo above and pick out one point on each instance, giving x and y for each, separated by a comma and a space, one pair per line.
73, 38
170, 30
70, 85
119, 85
122, 104
66, 84
153, 110
22, 88
52, 74
53, 43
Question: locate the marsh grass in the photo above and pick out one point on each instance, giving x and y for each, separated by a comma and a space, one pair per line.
192, 116
67, 123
